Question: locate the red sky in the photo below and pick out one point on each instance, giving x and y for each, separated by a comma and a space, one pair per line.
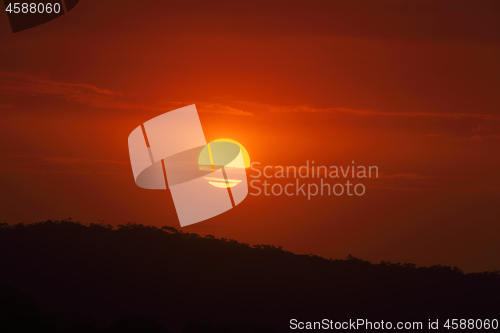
411, 87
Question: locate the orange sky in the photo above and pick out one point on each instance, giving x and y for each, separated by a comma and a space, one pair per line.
411, 87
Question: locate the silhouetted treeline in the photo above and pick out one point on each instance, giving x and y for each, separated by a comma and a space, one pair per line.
68, 277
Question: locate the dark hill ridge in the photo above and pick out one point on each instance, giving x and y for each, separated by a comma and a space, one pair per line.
90, 276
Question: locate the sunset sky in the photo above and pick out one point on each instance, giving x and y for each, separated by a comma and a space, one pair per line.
409, 86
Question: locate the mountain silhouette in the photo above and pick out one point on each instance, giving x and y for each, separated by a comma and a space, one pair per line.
64, 276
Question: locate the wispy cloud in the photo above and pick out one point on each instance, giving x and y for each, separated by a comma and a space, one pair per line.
68, 160
42, 159
41, 164
474, 183
25, 84
404, 176
262, 107
479, 138
210, 107
223, 109
22, 84
457, 115
364, 112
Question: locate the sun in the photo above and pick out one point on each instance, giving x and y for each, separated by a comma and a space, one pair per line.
244, 152
208, 158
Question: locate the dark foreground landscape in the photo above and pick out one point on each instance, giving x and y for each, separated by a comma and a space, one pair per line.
68, 277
